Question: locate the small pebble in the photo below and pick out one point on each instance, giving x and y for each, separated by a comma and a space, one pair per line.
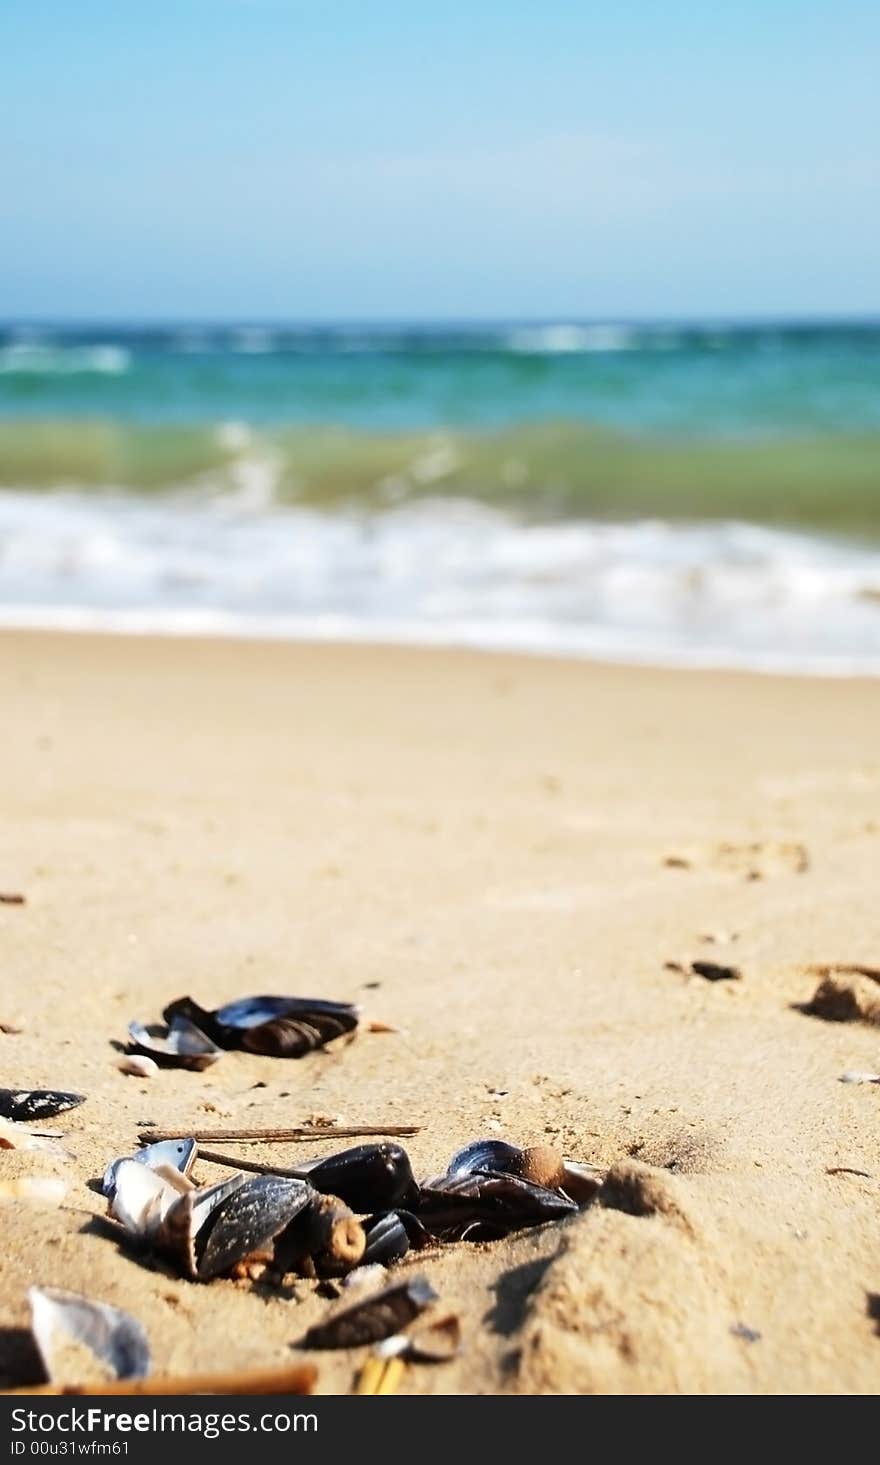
856, 1075
138, 1065
748, 1335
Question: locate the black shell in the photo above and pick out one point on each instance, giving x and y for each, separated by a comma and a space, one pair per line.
390, 1234
495, 1203
486, 1154
279, 1027
367, 1177
377, 1316
249, 1220
29, 1104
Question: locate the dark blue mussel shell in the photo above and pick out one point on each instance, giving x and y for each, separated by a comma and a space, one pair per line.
486, 1154
26, 1105
390, 1235
279, 1027
367, 1177
486, 1205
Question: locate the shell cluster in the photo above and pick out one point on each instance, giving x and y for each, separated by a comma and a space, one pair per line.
355, 1208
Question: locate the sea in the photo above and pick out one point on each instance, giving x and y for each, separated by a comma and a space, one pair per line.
686, 494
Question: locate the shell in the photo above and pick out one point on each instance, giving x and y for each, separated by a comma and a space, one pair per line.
137, 1065
372, 1318
179, 1154
540, 1164
486, 1154
488, 1205
279, 1027
366, 1177
183, 1045
73, 1334
17, 1137
250, 1220
391, 1234
30, 1104
141, 1198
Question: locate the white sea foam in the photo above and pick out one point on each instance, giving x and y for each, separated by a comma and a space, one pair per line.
555, 340
440, 572
40, 358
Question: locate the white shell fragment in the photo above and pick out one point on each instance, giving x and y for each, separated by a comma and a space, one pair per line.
137, 1065
176, 1154
856, 1075
84, 1342
181, 1045
15, 1137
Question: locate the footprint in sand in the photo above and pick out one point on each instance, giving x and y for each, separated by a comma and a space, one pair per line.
754, 860
846, 993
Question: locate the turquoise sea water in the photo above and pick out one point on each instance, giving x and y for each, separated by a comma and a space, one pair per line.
685, 492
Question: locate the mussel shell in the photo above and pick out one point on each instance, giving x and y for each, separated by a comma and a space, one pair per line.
367, 1177
495, 1203
279, 1027
141, 1199
116, 1339
379, 1315
29, 1104
249, 1221
390, 1235
486, 1154
179, 1153
184, 1045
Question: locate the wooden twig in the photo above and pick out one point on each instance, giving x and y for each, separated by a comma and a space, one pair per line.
214, 1157
299, 1379
283, 1136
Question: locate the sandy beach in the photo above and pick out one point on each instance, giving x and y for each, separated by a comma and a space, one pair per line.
513, 863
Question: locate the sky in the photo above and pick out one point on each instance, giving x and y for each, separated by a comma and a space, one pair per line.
390, 159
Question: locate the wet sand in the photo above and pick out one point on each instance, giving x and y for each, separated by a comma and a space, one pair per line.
510, 861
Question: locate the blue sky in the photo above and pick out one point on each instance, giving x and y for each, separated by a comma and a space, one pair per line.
370, 159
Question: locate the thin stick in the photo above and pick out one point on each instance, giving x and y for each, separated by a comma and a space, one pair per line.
297, 1380
283, 1136
232, 1162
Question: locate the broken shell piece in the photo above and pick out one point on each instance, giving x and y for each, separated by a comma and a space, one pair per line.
34, 1187
855, 1075
279, 1027
435, 1341
80, 1341
377, 1316
142, 1197
714, 971
182, 1045
178, 1154
16, 1137
138, 1065
30, 1104
371, 1274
